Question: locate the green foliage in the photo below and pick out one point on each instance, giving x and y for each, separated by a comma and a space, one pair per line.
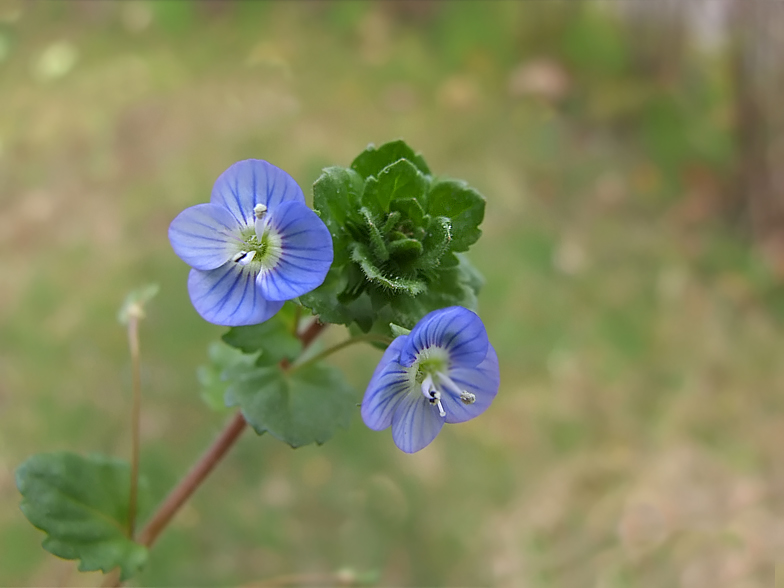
82, 505
302, 407
372, 161
274, 339
211, 376
396, 231
398, 331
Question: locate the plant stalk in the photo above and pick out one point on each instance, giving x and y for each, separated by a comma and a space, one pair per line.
216, 452
342, 345
133, 343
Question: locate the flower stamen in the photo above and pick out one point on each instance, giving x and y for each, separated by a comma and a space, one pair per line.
465, 396
243, 257
259, 211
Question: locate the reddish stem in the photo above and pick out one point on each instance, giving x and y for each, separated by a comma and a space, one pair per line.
189, 483
311, 332
208, 461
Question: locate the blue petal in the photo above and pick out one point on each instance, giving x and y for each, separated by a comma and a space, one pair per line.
389, 384
482, 381
205, 236
456, 329
228, 296
415, 422
305, 256
250, 182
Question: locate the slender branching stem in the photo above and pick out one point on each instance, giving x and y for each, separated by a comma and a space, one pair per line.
133, 343
187, 486
370, 337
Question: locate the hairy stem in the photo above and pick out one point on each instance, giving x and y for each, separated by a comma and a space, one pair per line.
202, 468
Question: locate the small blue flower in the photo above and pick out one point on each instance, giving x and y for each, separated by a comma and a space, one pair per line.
444, 371
254, 246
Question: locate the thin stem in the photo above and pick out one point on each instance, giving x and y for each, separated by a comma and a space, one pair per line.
217, 451
192, 480
338, 347
308, 335
133, 344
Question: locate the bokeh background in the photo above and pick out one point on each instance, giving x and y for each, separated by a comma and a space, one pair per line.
631, 155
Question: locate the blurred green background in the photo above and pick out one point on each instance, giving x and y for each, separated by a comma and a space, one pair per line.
633, 252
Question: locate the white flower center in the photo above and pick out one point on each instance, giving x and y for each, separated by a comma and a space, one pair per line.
259, 244
433, 363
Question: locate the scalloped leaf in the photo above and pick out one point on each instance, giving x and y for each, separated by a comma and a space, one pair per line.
372, 160
397, 181
303, 407
463, 206
81, 503
336, 196
211, 375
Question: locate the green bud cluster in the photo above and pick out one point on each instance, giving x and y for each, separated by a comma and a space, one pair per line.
398, 235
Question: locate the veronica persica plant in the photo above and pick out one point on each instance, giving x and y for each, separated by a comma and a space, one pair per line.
384, 250
255, 245
444, 371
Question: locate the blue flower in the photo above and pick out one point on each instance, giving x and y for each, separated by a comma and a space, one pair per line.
254, 246
444, 371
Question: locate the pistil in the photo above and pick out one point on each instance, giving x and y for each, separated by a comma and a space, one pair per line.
432, 394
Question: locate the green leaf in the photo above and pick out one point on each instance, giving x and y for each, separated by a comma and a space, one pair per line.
82, 505
398, 331
377, 243
409, 208
469, 275
453, 286
340, 300
400, 180
336, 196
275, 339
404, 249
465, 208
300, 408
435, 244
361, 255
211, 376
371, 161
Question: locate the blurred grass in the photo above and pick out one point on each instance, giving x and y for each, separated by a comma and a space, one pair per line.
636, 436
